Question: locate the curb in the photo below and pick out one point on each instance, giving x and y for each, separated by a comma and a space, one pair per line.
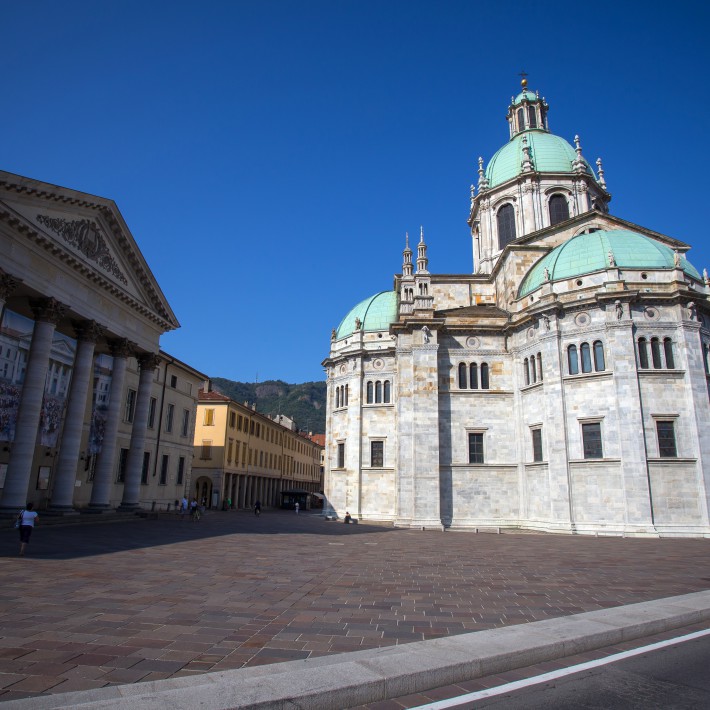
362, 677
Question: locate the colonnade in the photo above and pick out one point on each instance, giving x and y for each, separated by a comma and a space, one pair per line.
47, 314
244, 490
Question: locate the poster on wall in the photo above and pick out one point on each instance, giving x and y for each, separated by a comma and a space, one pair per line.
103, 370
15, 341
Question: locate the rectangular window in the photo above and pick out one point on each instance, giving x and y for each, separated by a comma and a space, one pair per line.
209, 417
537, 444
341, 455
130, 406
164, 470
173, 381
230, 446
232, 419
122, 461
185, 422
206, 449
146, 466
666, 439
377, 454
169, 415
151, 412
181, 470
239, 423
475, 447
592, 440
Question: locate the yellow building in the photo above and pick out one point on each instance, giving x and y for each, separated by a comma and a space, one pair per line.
242, 456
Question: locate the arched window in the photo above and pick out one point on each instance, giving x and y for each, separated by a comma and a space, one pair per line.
484, 376
559, 209
506, 225
532, 118
586, 354
533, 373
387, 388
599, 363
643, 353
462, 376
668, 351
370, 392
521, 119
337, 397
378, 392
346, 395
706, 359
656, 353
572, 361
526, 372
539, 366
473, 379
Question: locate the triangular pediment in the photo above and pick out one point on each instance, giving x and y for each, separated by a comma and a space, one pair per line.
88, 235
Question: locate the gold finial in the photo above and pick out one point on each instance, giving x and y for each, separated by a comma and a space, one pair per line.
524, 81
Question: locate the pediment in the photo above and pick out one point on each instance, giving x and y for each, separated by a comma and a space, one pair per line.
87, 235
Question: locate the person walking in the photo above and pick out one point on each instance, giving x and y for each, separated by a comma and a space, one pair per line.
183, 508
257, 508
27, 519
296, 507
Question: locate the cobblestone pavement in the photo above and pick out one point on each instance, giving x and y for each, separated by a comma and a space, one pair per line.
113, 603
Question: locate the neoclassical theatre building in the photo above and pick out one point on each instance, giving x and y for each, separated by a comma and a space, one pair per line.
93, 415
561, 387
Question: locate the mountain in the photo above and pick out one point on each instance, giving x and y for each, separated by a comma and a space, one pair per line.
304, 403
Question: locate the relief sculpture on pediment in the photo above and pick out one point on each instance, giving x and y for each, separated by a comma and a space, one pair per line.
87, 238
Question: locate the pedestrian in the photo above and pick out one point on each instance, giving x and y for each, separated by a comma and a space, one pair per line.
183, 507
229, 503
257, 508
27, 519
193, 510
348, 518
296, 507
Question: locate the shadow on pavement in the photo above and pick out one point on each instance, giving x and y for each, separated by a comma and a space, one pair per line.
86, 539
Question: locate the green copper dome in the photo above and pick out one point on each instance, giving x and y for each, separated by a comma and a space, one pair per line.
375, 313
587, 253
527, 95
549, 154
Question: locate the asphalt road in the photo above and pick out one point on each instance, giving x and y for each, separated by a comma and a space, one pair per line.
675, 677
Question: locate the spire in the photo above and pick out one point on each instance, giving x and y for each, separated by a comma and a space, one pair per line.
527, 163
482, 179
422, 261
578, 164
602, 182
407, 257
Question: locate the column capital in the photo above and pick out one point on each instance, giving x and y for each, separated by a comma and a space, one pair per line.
88, 330
8, 284
121, 347
148, 361
47, 310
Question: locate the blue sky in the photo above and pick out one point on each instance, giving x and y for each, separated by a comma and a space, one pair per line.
269, 156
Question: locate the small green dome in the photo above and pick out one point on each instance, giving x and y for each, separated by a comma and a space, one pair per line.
375, 313
526, 95
587, 253
549, 154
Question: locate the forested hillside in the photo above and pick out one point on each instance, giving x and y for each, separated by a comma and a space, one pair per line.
304, 403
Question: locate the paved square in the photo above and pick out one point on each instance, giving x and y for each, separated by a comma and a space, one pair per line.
124, 602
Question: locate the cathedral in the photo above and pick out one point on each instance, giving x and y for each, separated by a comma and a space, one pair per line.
560, 387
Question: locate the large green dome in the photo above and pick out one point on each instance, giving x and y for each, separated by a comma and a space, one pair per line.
375, 313
587, 253
549, 153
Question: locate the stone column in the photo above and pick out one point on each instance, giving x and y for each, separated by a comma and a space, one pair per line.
47, 313
105, 462
134, 466
63, 491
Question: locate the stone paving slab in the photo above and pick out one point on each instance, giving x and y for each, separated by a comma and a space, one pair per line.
149, 599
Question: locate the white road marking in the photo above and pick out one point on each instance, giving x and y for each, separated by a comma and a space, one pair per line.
545, 677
